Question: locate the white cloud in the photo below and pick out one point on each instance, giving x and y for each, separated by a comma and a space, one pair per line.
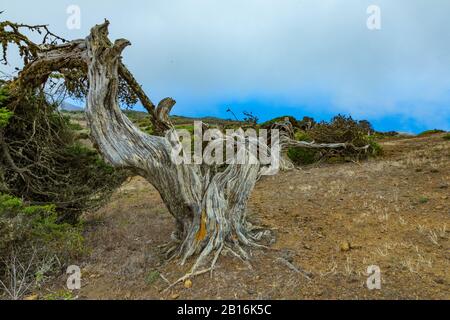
202, 52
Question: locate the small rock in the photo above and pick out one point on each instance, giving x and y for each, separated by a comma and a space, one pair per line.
174, 296
188, 284
439, 207
345, 246
443, 186
251, 292
307, 247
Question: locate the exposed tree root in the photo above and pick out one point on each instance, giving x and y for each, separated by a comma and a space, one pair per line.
187, 276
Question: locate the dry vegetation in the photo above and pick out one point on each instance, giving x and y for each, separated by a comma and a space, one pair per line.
335, 221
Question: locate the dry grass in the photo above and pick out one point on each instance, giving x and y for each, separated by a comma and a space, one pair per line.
375, 207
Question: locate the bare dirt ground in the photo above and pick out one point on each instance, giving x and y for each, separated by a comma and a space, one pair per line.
330, 221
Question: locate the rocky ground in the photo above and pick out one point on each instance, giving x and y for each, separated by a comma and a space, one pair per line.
330, 221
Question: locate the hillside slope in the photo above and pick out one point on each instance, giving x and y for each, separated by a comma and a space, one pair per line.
331, 222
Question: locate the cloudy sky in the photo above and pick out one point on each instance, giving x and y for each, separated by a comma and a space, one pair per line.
276, 57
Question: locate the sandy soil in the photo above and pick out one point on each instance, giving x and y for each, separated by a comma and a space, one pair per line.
331, 222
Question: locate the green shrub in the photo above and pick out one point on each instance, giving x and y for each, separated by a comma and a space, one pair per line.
75, 126
88, 172
187, 127
301, 135
302, 156
430, 132
375, 148
23, 225
31, 235
152, 276
59, 295
148, 130
293, 121
5, 115
446, 137
58, 169
384, 135
342, 129
423, 200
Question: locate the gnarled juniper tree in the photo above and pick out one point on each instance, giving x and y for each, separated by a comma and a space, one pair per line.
208, 201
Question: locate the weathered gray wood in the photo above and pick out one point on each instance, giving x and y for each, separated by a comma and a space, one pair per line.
209, 206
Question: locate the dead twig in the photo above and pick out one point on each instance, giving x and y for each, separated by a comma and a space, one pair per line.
187, 276
294, 268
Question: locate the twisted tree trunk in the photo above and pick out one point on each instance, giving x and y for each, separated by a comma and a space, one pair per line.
208, 205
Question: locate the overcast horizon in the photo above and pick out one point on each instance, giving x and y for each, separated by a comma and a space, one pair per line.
273, 58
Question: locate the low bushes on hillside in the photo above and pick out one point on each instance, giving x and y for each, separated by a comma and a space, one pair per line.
33, 245
41, 160
47, 180
340, 129
429, 132
269, 123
